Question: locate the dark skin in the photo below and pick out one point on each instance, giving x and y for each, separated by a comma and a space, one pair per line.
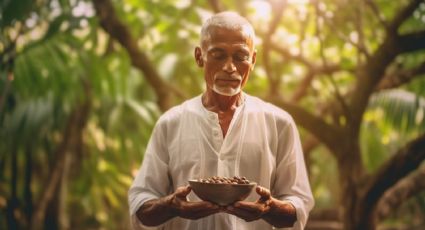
158, 211
276, 212
227, 59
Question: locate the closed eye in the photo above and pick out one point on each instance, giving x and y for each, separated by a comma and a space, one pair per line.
218, 55
241, 56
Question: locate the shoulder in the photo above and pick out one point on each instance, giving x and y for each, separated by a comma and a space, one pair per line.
177, 112
271, 111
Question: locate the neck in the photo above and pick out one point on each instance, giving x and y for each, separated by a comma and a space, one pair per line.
219, 103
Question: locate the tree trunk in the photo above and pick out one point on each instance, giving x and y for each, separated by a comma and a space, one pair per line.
405, 160
63, 218
76, 123
405, 189
54, 177
12, 203
27, 183
112, 25
51, 217
351, 173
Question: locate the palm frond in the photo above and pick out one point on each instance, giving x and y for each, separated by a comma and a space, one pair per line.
402, 109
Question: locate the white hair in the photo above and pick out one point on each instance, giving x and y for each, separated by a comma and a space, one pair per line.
228, 20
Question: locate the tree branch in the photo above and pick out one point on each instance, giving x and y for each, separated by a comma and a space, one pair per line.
412, 41
400, 192
313, 69
370, 74
401, 77
308, 145
277, 8
372, 5
75, 124
317, 68
404, 14
338, 96
406, 160
274, 81
360, 45
288, 55
304, 19
301, 91
323, 131
358, 21
117, 30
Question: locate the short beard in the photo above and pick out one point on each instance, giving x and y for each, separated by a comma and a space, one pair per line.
226, 91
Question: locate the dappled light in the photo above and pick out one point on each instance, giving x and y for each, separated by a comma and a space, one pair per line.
261, 11
83, 83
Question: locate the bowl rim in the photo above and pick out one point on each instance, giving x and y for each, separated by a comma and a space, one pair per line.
215, 184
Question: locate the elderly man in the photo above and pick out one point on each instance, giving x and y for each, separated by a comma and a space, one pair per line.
223, 132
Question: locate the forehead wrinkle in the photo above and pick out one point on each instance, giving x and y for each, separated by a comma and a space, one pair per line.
234, 47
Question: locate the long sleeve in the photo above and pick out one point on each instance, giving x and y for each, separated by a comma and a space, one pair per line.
263, 145
292, 182
152, 180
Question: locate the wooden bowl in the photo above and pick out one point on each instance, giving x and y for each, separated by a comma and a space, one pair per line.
221, 194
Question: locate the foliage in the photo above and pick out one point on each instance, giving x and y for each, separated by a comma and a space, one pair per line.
56, 55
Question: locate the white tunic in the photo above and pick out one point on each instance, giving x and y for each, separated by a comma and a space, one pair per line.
262, 144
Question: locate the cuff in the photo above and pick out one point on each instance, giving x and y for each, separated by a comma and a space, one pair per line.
136, 200
301, 212
137, 225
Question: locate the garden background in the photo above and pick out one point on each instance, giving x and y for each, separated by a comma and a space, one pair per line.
82, 84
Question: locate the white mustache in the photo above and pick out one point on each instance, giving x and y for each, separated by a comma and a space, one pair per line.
228, 78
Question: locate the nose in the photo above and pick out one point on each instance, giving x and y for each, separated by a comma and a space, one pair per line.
229, 66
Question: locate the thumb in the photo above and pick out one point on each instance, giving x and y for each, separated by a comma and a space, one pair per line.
183, 191
263, 192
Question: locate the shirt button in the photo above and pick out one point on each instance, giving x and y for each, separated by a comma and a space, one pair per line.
221, 157
215, 133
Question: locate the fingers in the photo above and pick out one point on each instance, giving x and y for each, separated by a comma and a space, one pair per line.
196, 210
249, 206
263, 192
182, 192
199, 214
247, 215
252, 206
201, 205
250, 211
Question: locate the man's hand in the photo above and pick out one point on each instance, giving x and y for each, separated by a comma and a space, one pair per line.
158, 211
276, 212
250, 211
190, 210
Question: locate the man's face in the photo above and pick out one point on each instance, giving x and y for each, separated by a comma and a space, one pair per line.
227, 57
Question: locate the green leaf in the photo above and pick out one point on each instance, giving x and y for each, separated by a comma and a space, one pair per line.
401, 108
14, 10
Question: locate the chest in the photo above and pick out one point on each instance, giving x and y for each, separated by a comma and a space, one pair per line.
224, 120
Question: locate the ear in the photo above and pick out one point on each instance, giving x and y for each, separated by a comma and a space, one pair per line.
198, 57
253, 59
